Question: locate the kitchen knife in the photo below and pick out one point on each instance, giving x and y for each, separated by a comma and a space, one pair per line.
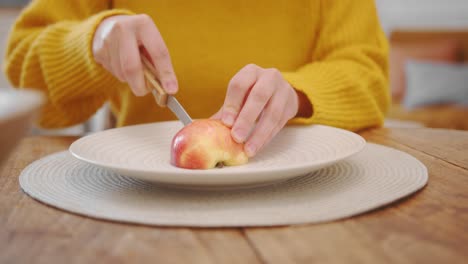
161, 97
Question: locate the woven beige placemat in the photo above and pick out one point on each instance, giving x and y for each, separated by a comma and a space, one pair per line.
373, 178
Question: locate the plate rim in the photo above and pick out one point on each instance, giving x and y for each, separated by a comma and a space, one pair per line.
176, 171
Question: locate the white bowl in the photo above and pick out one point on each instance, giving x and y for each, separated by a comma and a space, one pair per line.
18, 109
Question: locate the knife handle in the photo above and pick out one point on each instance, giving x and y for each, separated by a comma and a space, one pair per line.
152, 83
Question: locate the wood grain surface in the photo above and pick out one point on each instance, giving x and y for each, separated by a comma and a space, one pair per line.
429, 227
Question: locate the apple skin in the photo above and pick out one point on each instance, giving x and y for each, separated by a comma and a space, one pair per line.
205, 143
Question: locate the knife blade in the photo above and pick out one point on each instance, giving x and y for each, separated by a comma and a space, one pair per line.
160, 96
177, 109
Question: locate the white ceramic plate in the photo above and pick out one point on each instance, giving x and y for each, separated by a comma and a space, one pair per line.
143, 152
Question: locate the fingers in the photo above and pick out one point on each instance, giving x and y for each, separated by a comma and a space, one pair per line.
103, 56
113, 61
256, 101
256, 94
271, 121
131, 65
279, 110
104, 47
116, 46
237, 91
149, 36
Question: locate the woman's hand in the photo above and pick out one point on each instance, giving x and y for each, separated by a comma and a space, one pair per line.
117, 44
259, 94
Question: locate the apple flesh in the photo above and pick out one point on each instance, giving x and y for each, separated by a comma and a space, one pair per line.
206, 144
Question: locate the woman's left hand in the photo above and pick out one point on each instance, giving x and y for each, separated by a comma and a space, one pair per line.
259, 94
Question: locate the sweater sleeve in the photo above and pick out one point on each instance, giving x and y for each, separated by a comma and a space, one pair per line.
347, 79
49, 49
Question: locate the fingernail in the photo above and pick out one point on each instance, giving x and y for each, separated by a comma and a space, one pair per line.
228, 119
239, 135
140, 92
171, 87
250, 150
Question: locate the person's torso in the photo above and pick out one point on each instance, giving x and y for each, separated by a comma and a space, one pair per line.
210, 41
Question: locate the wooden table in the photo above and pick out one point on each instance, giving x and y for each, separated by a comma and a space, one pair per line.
434, 116
430, 227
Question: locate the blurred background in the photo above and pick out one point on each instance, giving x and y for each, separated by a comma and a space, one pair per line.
428, 69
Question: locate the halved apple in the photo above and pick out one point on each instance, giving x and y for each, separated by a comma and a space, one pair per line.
206, 144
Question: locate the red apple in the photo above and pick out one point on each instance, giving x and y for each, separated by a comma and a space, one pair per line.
205, 144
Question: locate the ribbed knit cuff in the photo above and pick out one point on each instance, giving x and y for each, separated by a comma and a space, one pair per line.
67, 58
70, 71
337, 100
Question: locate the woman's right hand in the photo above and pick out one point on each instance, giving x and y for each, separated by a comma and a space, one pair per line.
118, 44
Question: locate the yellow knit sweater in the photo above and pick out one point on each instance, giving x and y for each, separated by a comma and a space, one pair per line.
332, 50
